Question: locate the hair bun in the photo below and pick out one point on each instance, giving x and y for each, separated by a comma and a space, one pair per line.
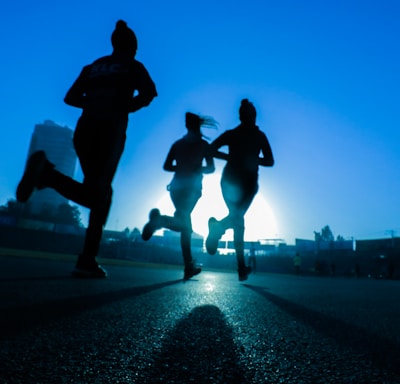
123, 39
121, 24
247, 112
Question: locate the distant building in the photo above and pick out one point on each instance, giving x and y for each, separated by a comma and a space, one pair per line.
56, 141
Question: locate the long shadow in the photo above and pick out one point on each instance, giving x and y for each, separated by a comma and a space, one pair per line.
200, 349
17, 320
382, 352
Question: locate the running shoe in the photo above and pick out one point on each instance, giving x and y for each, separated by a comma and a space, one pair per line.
244, 273
213, 237
89, 270
32, 175
190, 272
152, 225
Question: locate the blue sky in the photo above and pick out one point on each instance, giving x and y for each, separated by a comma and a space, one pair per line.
323, 75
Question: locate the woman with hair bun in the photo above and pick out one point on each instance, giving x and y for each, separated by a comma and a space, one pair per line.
239, 181
107, 91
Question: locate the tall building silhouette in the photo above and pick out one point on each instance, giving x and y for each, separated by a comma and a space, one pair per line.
56, 141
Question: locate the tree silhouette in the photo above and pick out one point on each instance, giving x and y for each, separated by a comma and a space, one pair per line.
68, 214
12, 207
325, 234
63, 214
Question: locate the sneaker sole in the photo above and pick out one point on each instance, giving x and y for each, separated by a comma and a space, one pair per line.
83, 274
30, 178
211, 241
244, 276
211, 247
148, 231
151, 226
187, 277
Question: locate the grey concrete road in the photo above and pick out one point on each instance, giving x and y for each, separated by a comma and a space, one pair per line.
145, 325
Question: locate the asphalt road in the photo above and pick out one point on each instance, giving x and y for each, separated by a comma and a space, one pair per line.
145, 325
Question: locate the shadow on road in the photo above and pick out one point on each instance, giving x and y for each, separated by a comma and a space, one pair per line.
16, 320
200, 349
382, 352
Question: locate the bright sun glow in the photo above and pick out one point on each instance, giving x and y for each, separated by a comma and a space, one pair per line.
260, 221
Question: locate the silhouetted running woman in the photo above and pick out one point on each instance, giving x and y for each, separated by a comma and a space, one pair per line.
186, 158
107, 91
239, 181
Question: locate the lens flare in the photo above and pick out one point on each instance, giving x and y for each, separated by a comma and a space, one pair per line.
260, 220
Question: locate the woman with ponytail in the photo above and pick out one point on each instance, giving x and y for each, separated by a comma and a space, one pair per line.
189, 158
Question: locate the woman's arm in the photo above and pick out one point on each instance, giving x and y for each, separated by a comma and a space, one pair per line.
210, 166
221, 155
76, 94
267, 159
146, 90
219, 142
169, 165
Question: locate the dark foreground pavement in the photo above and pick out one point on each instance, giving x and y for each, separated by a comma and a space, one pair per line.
144, 325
